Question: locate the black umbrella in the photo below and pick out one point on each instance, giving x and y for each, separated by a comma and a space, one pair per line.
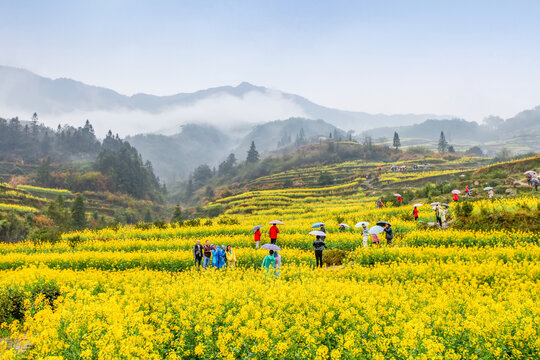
383, 223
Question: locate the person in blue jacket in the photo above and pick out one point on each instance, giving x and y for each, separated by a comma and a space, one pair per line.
223, 257
216, 256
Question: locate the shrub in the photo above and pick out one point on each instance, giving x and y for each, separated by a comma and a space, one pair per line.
11, 304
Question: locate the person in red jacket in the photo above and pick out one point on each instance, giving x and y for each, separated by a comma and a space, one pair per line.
467, 190
455, 197
257, 237
400, 200
415, 213
273, 233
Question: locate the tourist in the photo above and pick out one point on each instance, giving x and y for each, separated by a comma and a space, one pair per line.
415, 213
257, 238
389, 234
365, 235
198, 253
319, 246
231, 257
269, 261
467, 190
322, 228
207, 254
277, 265
223, 257
274, 231
455, 197
375, 239
438, 215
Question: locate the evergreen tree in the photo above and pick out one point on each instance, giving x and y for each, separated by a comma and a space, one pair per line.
44, 177
396, 143
209, 193
78, 212
59, 213
177, 214
451, 149
253, 154
443, 144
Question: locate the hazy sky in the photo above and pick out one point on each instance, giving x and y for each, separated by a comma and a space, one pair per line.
468, 58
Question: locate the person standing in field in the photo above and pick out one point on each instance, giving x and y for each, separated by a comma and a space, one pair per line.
415, 213
375, 239
455, 197
438, 214
223, 257
274, 231
198, 253
277, 265
207, 254
257, 238
400, 200
319, 247
365, 235
323, 228
389, 234
269, 262
215, 256
491, 193
231, 257
467, 190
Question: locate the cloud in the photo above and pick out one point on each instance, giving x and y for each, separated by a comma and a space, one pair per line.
228, 112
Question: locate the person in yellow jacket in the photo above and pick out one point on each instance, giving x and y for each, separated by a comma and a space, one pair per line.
231, 257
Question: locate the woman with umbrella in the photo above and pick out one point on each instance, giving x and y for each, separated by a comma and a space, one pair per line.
257, 235
269, 261
365, 232
374, 231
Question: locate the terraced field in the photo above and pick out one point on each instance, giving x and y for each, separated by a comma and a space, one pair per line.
134, 292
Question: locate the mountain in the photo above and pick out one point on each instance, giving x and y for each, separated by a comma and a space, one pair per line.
173, 157
519, 134
23, 92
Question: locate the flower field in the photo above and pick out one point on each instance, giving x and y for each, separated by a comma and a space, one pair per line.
133, 292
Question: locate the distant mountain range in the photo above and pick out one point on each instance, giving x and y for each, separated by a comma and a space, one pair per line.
24, 92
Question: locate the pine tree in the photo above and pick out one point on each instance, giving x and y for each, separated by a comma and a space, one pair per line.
253, 154
396, 143
78, 212
177, 214
443, 144
44, 177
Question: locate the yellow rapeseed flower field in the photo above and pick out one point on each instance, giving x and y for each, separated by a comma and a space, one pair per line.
134, 293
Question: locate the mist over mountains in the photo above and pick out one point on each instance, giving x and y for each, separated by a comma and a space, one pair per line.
231, 108
181, 131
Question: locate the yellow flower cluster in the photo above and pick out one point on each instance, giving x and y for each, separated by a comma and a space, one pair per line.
19, 208
413, 310
38, 189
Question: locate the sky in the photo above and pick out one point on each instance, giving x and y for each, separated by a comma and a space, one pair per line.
465, 58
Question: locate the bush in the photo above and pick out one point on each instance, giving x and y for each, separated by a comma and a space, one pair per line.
228, 221
46, 235
11, 304
464, 209
49, 289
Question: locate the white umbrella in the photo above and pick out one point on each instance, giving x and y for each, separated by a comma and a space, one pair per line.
276, 222
435, 204
462, 175
257, 227
488, 188
396, 194
529, 172
376, 230
416, 205
344, 225
361, 223
318, 233
271, 247
456, 192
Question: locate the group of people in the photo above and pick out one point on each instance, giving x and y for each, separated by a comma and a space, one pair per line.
532, 179
389, 235
213, 255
